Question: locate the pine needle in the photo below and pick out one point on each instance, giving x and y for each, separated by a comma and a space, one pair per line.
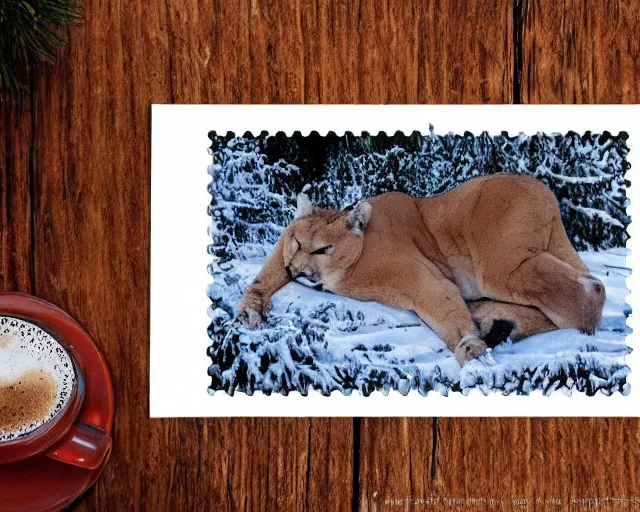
31, 31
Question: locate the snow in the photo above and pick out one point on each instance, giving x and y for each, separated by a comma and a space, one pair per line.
593, 212
320, 340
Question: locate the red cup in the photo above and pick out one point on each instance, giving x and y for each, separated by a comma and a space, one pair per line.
66, 437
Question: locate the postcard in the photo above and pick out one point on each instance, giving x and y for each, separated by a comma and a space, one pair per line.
392, 260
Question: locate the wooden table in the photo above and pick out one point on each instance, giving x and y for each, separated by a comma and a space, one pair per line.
75, 223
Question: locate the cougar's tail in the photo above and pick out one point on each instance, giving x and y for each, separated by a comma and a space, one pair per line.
499, 320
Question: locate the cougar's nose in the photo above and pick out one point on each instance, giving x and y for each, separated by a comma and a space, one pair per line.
311, 276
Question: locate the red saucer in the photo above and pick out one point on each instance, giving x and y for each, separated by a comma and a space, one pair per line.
41, 484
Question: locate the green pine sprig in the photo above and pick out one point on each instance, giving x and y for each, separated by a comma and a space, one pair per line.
31, 31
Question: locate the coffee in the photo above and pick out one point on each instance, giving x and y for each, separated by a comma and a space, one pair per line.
37, 378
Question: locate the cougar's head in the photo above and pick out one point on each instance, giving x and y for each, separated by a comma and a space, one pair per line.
320, 245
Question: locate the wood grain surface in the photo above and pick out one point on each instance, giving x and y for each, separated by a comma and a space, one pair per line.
16, 263
580, 51
74, 229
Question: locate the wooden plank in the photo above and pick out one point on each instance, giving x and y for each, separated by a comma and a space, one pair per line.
541, 460
580, 52
249, 464
570, 53
16, 262
501, 463
399, 458
316, 51
302, 51
92, 251
567, 55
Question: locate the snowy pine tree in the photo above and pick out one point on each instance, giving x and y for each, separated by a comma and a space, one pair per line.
586, 173
251, 203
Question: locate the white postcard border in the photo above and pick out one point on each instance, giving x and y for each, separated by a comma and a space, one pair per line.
179, 259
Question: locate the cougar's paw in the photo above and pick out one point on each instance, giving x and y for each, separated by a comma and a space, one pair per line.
469, 349
250, 317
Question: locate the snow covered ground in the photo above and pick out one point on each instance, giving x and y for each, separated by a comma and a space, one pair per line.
319, 340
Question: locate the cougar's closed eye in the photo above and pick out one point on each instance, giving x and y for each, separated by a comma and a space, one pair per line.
323, 250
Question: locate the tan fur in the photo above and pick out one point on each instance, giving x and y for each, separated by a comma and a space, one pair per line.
498, 237
526, 320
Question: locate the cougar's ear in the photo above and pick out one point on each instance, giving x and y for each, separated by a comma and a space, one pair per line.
358, 218
304, 205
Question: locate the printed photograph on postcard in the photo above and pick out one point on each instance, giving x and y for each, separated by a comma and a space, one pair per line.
461, 263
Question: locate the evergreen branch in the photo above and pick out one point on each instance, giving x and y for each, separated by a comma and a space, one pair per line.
31, 31
593, 213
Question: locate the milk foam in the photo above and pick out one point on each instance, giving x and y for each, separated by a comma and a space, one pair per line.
25, 349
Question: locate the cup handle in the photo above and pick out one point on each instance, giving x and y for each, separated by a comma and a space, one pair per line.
84, 445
